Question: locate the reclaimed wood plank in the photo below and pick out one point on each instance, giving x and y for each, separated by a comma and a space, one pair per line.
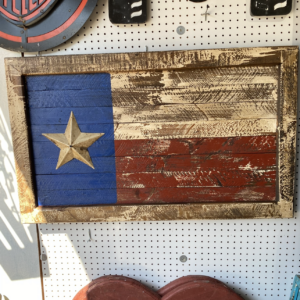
194, 195
244, 144
68, 82
75, 182
256, 144
196, 112
83, 115
158, 195
200, 178
74, 64
99, 148
157, 113
38, 130
101, 164
171, 130
197, 95
255, 83
168, 130
69, 98
185, 163
77, 197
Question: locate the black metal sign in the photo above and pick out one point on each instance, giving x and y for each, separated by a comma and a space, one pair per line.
37, 25
270, 7
128, 11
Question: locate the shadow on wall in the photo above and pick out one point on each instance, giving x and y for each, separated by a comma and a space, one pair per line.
18, 247
3, 297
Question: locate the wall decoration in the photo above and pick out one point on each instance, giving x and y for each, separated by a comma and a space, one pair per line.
155, 136
271, 7
28, 26
128, 11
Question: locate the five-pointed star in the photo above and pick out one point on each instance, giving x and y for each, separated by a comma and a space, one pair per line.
73, 143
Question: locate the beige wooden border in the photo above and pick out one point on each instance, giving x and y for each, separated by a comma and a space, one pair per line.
286, 57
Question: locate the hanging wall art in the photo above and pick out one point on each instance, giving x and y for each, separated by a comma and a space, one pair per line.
155, 136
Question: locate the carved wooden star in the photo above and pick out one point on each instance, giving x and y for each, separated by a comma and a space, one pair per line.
73, 143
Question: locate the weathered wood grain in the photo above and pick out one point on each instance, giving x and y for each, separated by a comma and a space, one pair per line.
38, 130
218, 85
172, 130
185, 163
69, 98
110, 213
162, 195
200, 178
168, 130
157, 113
248, 144
79, 82
285, 58
196, 112
46, 149
103, 148
181, 195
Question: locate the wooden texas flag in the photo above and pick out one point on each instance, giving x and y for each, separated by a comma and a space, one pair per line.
193, 135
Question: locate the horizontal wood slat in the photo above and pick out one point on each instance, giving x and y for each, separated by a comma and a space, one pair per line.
158, 113
255, 83
200, 178
243, 144
168, 130
161, 195
68, 82
102, 148
172, 163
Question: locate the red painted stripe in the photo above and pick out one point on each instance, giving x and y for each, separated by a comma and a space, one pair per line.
24, 10
196, 146
37, 11
10, 37
12, 17
15, 10
5, 3
193, 163
69, 22
201, 178
195, 195
32, 5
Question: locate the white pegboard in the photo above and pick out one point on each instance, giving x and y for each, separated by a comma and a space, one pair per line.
257, 258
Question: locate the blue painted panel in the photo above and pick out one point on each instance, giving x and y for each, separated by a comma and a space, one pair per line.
78, 197
38, 130
68, 82
69, 184
98, 149
101, 164
69, 98
295, 294
75, 182
83, 115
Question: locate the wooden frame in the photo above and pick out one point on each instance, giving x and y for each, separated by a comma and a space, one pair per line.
285, 57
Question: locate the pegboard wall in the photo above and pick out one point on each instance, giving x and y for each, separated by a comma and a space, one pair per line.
257, 258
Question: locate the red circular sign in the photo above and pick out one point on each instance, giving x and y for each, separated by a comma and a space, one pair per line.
37, 25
